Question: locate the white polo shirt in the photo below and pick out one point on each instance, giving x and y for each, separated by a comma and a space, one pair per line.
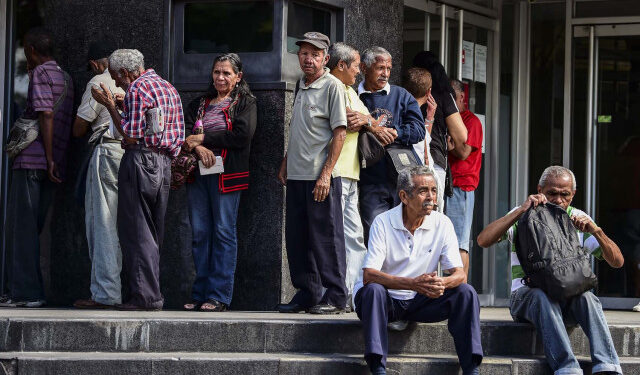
395, 251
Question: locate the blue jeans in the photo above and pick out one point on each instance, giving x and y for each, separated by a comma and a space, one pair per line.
534, 306
215, 246
101, 212
460, 211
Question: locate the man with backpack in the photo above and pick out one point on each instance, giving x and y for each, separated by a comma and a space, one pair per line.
530, 303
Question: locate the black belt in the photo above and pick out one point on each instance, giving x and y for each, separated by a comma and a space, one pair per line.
141, 147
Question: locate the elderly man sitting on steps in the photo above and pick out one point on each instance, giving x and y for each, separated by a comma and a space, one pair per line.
558, 186
400, 282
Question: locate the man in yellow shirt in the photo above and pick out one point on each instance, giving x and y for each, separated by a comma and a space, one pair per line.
344, 63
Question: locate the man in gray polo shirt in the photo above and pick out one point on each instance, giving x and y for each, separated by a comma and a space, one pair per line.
314, 228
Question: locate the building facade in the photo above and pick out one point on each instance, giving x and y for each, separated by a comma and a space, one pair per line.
554, 82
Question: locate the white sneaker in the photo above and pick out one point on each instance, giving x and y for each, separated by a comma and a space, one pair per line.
636, 307
36, 303
29, 304
398, 325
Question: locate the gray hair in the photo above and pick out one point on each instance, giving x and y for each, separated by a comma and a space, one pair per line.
457, 85
557, 171
406, 175
341, 52
130, 60
370, 55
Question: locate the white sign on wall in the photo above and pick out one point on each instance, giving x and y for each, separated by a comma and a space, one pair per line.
480, 63
482, 121
467, 60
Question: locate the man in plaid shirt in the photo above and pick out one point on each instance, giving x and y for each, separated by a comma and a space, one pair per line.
152, 126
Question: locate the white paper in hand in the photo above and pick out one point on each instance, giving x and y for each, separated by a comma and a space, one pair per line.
218, 167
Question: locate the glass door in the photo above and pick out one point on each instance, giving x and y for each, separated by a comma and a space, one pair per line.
463, 41
609, 148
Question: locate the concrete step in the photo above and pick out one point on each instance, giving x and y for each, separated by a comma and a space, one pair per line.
238, 332
19, 363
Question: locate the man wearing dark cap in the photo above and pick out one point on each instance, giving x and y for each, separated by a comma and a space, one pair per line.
101, 196
314, 227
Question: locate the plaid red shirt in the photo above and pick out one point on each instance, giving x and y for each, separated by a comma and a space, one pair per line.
151, 91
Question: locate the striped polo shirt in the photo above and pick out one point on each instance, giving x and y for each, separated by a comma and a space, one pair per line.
46, 84
214, 119
587, 240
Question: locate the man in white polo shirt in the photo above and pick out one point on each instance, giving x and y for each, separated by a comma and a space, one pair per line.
400, 282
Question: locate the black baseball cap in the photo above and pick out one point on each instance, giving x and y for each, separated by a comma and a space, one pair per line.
99, 50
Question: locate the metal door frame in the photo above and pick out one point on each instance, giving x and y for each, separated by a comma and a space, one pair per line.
466, 14
593, 29
6, 82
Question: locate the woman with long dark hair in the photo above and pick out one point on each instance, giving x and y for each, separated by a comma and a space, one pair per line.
447, 121
219, 127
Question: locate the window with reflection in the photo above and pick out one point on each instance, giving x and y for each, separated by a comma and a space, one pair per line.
303, 18
228, 26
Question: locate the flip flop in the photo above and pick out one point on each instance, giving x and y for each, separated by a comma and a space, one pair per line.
211, 305
192, 306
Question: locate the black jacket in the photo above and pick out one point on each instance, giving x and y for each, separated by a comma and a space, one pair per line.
235, 142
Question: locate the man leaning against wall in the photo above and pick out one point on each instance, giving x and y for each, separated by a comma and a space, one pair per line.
314, 228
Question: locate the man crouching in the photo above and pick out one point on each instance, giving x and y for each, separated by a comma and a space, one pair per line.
400, 282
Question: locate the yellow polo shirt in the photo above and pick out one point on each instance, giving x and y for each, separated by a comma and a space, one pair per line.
348, 164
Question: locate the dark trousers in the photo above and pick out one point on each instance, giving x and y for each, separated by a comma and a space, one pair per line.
30, 195
315, 244
375, 308
374, 200
143, 192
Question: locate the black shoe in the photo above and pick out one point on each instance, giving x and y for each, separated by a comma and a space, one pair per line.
326, 308
132, 307
291, 307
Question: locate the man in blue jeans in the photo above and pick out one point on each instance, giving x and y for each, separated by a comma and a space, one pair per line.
558, 185
465, 165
